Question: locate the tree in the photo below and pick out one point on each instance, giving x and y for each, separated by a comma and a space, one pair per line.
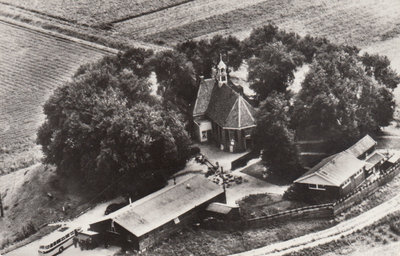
104, 124
273, 70
134, 59
339, 98
175, 75
275, 139
205, 54
379, 67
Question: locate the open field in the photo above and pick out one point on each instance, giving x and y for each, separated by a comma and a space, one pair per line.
91, 12
357, 22
32, 65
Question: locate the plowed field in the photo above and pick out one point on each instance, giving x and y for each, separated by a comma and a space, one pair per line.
32, 65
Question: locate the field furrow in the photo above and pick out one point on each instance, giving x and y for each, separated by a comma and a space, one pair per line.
178, 16
32, 65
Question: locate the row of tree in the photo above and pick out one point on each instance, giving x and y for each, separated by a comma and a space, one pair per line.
107, 123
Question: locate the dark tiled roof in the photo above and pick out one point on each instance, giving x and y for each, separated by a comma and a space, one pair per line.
203, 96
222, 101
224, 105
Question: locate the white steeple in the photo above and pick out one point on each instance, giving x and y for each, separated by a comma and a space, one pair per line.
221, 77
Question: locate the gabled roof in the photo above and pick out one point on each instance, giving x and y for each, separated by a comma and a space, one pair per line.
224, 105
362, 146
203, 96
375, 158
165, 205
333, 170
336, 169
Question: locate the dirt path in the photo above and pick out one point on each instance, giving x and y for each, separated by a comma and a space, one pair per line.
345, 228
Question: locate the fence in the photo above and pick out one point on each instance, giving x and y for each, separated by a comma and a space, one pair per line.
365, 190
308, 212
328, 210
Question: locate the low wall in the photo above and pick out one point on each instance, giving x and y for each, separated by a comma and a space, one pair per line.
243, 160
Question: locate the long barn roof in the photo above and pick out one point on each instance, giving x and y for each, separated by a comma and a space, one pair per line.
165, 205
336, 169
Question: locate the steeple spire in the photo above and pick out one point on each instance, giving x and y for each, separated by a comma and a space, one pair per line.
221, 72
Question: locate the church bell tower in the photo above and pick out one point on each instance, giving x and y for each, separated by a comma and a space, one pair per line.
222, 77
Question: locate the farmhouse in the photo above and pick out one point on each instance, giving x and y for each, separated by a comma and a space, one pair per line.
339, 174
152, 218
222, 113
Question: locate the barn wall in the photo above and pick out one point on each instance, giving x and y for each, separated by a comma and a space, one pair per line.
159, 234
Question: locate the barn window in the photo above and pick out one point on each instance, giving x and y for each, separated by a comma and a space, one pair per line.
316, 187
347, 182
359, 173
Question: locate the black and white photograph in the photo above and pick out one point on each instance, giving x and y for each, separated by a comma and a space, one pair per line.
200, 127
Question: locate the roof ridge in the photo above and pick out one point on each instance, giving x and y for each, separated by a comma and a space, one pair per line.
233, 106
239, 116
247, 108
153, 195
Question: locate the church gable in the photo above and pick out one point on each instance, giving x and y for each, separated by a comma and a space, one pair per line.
220, 101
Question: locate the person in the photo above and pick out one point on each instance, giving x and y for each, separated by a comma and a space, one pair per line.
75, 241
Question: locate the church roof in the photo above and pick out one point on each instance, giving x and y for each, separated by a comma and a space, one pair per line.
223, 105
203, 96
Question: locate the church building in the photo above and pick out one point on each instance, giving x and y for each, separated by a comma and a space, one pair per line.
222, 113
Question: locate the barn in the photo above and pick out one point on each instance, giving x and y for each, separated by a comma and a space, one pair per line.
339, 174
152, 218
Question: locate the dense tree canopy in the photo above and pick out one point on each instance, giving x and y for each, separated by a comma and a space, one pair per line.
176, 76
275, 139
205, 54
105, 124
340, 99
272, 70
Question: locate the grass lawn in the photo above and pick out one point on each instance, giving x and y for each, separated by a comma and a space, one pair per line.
265, 204
211, 242
368, 241
35, 196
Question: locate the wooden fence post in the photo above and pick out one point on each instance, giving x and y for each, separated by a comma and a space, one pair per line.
1, 208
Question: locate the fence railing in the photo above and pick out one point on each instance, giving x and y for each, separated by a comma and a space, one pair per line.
327, 210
